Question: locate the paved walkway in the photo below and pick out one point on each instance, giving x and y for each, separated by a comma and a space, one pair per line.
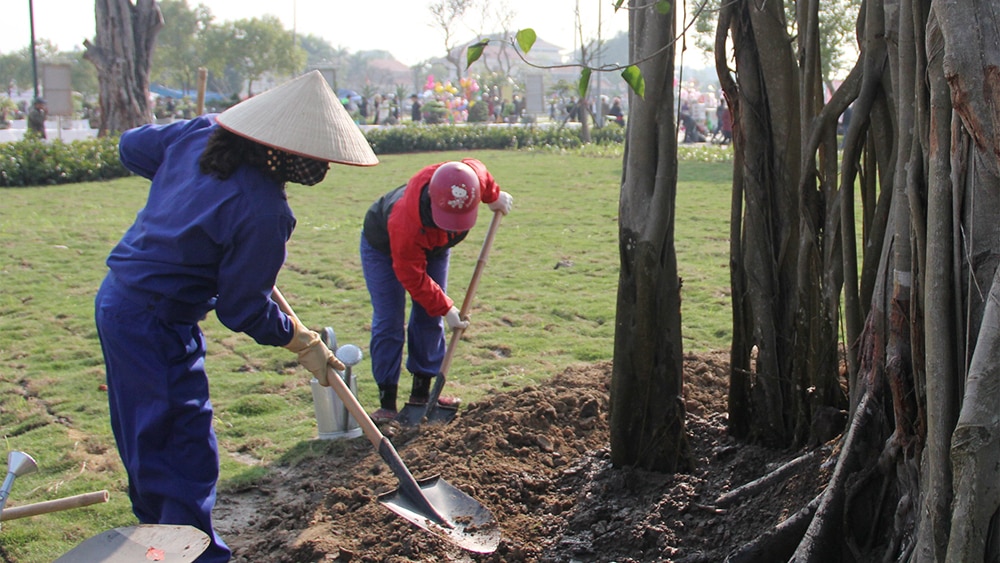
71, 130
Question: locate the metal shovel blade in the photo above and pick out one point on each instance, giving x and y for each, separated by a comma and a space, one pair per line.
473, 527
413, 415
147, 542
431, 504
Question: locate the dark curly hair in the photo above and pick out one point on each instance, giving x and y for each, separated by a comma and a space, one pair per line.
226, 151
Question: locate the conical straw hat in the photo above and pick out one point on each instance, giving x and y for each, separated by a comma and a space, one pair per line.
303, 117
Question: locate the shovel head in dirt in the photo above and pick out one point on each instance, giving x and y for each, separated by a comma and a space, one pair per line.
147, 542
467, 523
431, 504
414, 414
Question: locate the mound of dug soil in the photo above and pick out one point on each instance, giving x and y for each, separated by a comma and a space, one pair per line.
538, 459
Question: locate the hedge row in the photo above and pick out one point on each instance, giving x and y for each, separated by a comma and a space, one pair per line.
424, 138
34, 162
39, 163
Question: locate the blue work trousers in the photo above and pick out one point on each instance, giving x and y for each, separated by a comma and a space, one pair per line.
423, 334
161, 415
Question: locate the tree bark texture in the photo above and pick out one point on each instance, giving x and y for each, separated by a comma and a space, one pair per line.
787, 266
647, 411
916, 478
122, 53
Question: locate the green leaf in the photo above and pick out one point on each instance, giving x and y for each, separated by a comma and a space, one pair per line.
474, 52
584, 83
618, 5
663, 7
633, 77
526, 39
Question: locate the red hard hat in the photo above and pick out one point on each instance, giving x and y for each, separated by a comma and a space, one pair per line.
454, 191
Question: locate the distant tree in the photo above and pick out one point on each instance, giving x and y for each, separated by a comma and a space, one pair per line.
447, 17
122, 52
15, 68
253, 48
179, 45
498, 16
15, 72
83, 75
835, 24
320, 51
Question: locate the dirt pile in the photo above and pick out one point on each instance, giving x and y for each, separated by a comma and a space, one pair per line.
538, 459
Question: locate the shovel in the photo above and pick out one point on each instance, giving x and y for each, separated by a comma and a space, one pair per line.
431, 504
413, 415
147, 542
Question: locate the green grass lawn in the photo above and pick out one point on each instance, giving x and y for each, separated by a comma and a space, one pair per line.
530, 318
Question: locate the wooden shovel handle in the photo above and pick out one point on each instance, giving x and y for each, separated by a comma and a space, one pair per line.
470, 293
371, 431
45, 507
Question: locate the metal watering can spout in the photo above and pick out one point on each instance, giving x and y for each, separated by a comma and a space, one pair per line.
18, 463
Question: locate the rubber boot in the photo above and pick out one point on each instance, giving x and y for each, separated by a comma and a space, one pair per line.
421, 389
387, 402
421, 392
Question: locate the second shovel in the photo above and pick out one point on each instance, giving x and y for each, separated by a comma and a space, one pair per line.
413, 414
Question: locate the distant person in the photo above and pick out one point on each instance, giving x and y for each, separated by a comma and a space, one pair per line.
692, 134
616, 112
406, 245
571, 109
725, 122
36, 118
415, 114
211, 236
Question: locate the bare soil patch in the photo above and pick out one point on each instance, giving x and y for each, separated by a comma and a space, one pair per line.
538, 459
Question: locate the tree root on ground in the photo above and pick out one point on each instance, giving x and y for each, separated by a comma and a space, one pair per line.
823, 538
779, 543
753, 487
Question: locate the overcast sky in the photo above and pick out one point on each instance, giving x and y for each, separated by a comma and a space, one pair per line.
402, 27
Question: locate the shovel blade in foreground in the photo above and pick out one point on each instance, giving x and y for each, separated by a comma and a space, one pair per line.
148, 542
473, 527
414, 415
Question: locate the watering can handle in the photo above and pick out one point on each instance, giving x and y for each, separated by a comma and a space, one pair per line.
371, 431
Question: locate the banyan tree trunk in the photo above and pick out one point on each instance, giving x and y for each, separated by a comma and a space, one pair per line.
122, 53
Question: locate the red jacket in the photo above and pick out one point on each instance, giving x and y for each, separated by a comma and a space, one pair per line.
410, 240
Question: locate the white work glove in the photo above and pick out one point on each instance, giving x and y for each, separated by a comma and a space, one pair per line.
454, 319
503, 203
313, 354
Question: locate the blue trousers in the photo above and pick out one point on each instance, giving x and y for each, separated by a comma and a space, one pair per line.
423, 334
161, 415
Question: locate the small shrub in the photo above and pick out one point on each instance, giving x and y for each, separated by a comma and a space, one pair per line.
434, 112
479, 112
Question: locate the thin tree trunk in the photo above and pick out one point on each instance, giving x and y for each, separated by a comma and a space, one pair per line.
647, 411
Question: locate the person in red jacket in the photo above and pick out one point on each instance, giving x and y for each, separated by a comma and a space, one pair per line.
405, 247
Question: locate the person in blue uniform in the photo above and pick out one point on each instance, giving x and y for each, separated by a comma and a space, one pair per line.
406, 243
211, 236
